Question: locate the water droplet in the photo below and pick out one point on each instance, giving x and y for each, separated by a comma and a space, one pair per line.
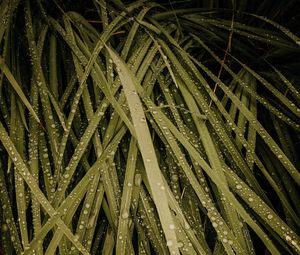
172, 226
125, 215
187, 226
215, 225
4, 227
239, 186
174, 177
169, 243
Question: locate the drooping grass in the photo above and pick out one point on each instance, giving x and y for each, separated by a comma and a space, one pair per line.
148, 128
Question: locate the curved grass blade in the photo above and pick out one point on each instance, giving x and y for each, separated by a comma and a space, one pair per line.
17, 88
147, 150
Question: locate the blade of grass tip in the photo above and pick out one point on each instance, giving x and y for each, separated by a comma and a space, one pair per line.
17, 88
26, 175
147, 150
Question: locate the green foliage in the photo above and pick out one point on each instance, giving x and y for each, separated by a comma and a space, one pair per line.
149, 127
